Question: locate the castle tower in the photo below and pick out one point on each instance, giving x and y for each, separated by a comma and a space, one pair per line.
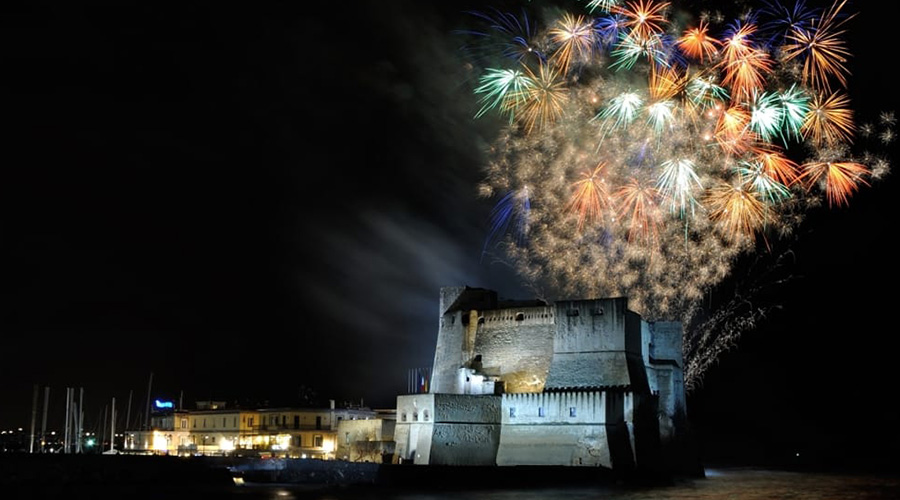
597, 345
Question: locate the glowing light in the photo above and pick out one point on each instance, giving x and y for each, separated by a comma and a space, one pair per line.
543, 99
603, 5
697, 43
589, 198
503, 89
645, 19
575, 40
822, 49
678, 182
738, 211
644, 164
624, 108
829, 120
841, 179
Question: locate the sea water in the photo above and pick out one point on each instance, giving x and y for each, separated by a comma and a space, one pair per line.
726, 483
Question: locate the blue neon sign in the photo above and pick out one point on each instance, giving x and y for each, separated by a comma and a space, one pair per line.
164, 404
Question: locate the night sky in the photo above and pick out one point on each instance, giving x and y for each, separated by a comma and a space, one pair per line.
260, 204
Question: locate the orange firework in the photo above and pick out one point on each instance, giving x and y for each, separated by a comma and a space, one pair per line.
822, 49
841, 179
697, 43
589, 197
777, 166
737, 210
575, 39
645, 19
738, 44
732, 131
829, 120
543, 100
745, 73
665, 83
637, 203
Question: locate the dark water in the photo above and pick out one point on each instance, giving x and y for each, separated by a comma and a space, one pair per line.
728, 483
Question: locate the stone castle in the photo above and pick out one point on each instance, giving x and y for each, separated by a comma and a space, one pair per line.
577, 382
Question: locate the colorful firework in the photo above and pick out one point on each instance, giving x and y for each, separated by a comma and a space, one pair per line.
822, 49
652, 163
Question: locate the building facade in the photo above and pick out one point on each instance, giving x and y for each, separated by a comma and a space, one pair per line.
578, 382
277, 432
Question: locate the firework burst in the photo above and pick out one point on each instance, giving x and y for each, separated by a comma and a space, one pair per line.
639, 163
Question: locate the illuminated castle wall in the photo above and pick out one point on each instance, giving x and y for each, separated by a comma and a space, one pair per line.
578, 382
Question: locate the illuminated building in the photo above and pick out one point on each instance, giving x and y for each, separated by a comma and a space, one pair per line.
217, 430
578, 382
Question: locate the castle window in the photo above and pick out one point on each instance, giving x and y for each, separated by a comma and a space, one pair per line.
572, 411
403, 417
541, 411
415, 416
481, 320
424, 415
597, 312
512, 412
520, 316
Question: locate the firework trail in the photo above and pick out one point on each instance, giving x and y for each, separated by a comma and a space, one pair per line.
649, 147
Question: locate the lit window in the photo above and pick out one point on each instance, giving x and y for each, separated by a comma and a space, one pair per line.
571, 411
317, 440
512, 412
347, 437
541, 411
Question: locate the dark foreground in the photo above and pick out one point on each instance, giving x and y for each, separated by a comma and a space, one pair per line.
110, 476
151, 477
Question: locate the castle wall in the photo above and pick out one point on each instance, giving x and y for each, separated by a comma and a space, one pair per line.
448, 429
594, 428
414, 428
665, 372
597, 343
516, 345
448, 354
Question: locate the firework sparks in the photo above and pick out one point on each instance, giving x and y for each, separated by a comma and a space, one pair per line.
829, 120
822, 49
738, 211
575, 41
590, 198
652, 163
841, 179
645, 19
697, 44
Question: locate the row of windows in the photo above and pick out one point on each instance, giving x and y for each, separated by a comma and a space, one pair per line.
541, 413
273, 420
415, 416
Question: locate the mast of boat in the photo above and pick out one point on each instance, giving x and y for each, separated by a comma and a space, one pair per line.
67, 420
112, 427
79, 420
128, 411
147, 411
34, 401
44, 418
